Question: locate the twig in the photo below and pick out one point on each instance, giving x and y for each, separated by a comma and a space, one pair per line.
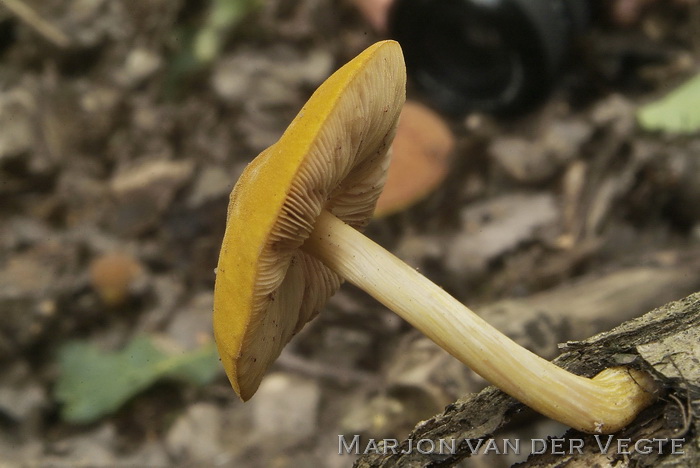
29, 16
339, 375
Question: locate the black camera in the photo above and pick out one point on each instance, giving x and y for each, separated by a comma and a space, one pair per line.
498, 56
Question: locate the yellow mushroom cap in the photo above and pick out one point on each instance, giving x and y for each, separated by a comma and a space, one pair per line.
333, 156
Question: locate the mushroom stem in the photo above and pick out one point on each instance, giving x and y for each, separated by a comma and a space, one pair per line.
603, 404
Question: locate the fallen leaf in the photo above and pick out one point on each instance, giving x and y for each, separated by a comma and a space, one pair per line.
94, 383
677, 112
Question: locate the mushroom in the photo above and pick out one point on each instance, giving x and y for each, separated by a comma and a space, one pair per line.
420, 159
293, 235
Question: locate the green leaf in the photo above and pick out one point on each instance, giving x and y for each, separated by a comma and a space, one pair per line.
197, 367
223, 17
198, 46
677, 112
94, 383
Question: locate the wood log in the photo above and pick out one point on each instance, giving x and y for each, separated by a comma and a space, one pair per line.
665, 341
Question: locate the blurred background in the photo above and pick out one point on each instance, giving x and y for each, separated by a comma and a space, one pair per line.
124, 125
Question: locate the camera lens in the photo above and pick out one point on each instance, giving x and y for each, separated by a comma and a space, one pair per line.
489, 55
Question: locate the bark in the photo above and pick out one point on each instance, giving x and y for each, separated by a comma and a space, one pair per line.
664, 341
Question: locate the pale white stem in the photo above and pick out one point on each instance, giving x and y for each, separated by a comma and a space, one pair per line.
603, 404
